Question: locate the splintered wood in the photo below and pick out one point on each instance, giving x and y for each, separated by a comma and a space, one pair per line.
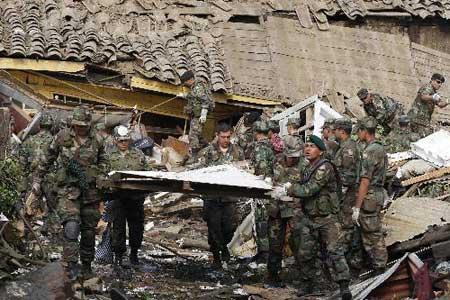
428, 176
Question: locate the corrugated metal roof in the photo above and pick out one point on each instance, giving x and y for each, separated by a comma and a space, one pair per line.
409, 217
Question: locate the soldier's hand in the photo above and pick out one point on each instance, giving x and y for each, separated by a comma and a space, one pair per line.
355, 215
203, 115
436, 97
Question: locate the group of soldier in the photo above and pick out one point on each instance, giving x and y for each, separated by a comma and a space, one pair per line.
328, 196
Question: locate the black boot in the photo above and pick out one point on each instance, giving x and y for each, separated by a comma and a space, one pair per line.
274, 280
217, 263
345, 291
86, 270
225, 255
134, 260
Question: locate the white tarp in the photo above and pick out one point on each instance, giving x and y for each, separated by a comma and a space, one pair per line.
227, 175
434, 148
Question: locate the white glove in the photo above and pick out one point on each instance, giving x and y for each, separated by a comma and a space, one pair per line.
203, 115
355, 216
436, 97
287, 185
268, 180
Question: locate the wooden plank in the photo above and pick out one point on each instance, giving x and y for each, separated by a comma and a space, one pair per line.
428, 176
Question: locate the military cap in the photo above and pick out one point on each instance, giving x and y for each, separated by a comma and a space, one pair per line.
403, 119
186, 76
46, 120
293, 121
293, 153
274, 125
343, 123
317, 141
362, 93
121, 133
261, 126
367, 122
81, 116
329, 122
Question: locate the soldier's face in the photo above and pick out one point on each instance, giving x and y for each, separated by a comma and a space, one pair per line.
224, 138
123, 144
290, 129
326, 132
362, 134
338, 133
312, 152
81, 130
367, 99
436, 84
189, 83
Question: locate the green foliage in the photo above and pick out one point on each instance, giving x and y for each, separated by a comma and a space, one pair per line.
10, 177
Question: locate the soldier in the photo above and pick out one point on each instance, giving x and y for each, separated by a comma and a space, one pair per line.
80, 156
328, 138
281, 211
246, 137
127, 205
400, 138
293, 126
423, 107
347, 161
220, 212
199, 104
274, 138
262, 161
318, 224
367, 210
384, 109
108, 141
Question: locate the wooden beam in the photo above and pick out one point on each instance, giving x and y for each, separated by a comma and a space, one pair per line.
41, 65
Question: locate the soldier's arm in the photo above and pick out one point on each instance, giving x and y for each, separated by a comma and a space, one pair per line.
313, 186
426, 94
367, 169
362, 191
50, 157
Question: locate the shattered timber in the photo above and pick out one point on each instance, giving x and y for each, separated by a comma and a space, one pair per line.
285, 59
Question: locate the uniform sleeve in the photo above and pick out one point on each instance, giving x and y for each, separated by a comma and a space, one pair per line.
264, 162
381, 108
426, 90
52, 154
313, 186
201, 92
367, 164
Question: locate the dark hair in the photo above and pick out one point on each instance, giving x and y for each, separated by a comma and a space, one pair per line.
371, 130
251, 117
437, 76
223, 127
275, 129
186, 76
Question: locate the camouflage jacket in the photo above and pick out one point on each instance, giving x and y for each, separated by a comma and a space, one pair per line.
212, 156
131, 160
79, 162
318, 190
35, 149
282, 175
382, 108
332, 147
262, 158
245, 141
347, 160
198, 98
400, 140
290, 136
374, 164
421, 111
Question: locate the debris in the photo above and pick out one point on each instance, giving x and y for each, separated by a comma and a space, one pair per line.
427, 176
243, 243
434, 148
191, 243
94, 285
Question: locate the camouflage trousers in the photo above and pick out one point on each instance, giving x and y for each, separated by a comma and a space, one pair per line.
308, 235
127, 208
351, 241
82, 208
52, 221
221, 218
372, 235
277, 235
262, 226
195, 134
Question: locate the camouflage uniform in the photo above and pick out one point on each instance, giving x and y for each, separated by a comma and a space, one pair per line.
400, 140
385, 110
373, 167
421, 112
262, 160
220, 212
198, 98
78, 199
298, 138
318, 224
347, 161
280, 212
245, 142
127, 205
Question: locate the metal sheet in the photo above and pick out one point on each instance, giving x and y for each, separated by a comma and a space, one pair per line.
408, 217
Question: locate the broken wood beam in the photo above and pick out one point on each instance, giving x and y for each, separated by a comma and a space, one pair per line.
427, 176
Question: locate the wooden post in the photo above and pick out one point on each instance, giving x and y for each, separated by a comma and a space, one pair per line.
5, 133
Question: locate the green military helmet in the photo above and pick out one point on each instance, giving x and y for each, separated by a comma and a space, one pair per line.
81, 116
362, 93
294, 122
121, 133
343, 123
317, 141
46, 120
274, 125
261, 126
